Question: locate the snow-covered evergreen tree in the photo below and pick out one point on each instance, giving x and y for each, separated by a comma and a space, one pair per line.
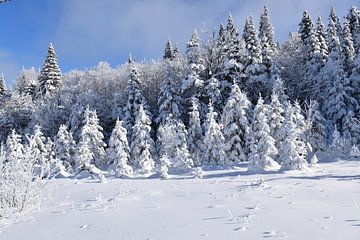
266, 39
335, 19
2, 85
276, 119
168, 99
262, 145
338, 144
14, 149
347, 49
257, 81
340, 99
173, 143
194, 82
292, 151
135, 98
27, 82
92, 132
142, 145
213, 140
353, 17
164, 164
65, 146
169, 51
351, 129
118, 152
195, 135
236, 125
50, 75
317, 127
42, 153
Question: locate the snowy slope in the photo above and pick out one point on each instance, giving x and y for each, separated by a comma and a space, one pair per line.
226, 204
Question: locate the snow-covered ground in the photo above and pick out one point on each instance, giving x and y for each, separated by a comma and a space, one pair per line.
225, 204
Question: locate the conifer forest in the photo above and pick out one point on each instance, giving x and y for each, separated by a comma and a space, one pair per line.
232, 98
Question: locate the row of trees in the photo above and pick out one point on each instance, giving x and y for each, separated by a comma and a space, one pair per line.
234, 98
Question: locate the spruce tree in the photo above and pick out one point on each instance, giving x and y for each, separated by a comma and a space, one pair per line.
236, 125
340, 99
193, 81
173, 143
353, 18
347, 49
169, 51
142, 145
276, 119
168, 99
42, 159
65, 147
135, 98
213, 140
92, 131
118, 152
351, 129
262, 145
27, 82
195, 136
292, 151
335, 19
317, 127
256, 79
266, 39
2, 85
50, 75
14, 150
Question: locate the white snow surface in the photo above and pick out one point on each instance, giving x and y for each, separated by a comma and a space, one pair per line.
323, 203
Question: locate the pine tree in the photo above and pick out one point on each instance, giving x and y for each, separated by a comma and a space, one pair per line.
213, 91
84, 157
292, 152
27, 82
337, 145
267, 41
65, 146
135, 98
173, 143
321, 36
169, 51
164, 164
236, 125
2, 85
42, 153
195, 136
213, 140
50, 75
335, 19
317, 127
353, 18
278, 87
142, 145
193, 81
262, 145
257, 81
118, 152
92, 131
351, 128
168, 99
276, 119
347, 49
14, 150
340, 99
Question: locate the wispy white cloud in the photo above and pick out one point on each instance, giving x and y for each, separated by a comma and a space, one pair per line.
108, 29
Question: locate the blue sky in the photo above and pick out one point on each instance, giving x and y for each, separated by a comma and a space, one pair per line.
85, 32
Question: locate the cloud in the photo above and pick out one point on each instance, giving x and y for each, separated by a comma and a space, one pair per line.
93, 30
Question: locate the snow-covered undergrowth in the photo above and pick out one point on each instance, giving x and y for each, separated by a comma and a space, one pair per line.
322, 203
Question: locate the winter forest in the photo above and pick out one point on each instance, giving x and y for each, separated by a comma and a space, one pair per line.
230, 97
